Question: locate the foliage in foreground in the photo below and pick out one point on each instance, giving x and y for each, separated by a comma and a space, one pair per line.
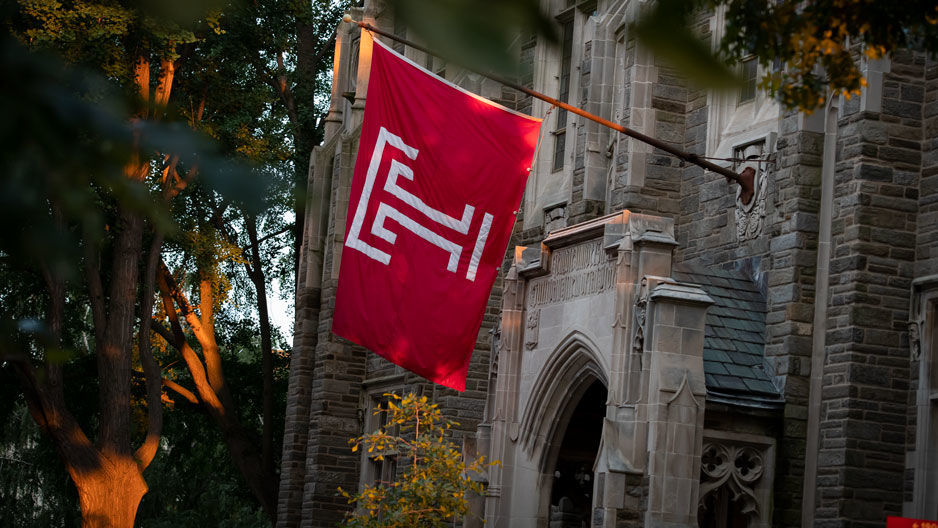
139, 139
433, 484
807, 48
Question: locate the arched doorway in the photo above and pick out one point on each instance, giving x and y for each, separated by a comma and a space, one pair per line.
572, 485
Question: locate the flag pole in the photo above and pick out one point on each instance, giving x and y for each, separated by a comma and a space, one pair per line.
745, 183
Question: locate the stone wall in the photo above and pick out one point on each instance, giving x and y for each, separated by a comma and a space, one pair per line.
927, 241
785, 258
296, 427
866, 389
659, 191
790, 266
588, 191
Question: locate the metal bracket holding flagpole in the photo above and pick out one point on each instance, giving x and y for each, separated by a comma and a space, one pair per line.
689, 157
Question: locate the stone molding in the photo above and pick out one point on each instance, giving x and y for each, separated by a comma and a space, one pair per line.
574, 363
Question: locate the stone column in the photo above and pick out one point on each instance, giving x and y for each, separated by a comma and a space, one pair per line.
675, 398
340, 75
305, 336
502, 414
647, 472
338, 370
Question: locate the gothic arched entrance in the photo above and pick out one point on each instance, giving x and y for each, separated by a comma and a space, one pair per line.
571, 490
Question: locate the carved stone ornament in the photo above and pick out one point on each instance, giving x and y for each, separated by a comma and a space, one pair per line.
495, 343
641, 307
751, 217
737, 468
915, 342
531, 323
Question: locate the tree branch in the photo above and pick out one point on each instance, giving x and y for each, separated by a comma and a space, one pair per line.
180, 390
274, 234
218, 220
61, 427
45, 398
201, 327
147, 451
142, 82
178, 341
210, 352
278, 81
95, 289
326, 47
173, 386
167, 335
176, 295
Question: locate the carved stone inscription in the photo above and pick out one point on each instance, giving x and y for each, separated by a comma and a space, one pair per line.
576, 271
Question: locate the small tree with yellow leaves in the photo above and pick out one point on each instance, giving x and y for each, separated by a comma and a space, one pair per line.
433, 485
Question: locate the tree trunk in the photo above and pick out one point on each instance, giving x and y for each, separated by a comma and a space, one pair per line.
114, 353
256, 273
109, 494
304, 129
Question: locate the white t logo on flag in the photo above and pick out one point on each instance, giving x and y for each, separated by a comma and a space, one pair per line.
386, 212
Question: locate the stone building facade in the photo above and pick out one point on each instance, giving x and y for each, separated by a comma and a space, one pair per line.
656, 352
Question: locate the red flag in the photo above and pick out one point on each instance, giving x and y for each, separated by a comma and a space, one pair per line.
439, 177
904, 522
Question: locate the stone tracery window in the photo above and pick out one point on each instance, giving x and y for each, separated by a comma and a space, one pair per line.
735, 483
729, 474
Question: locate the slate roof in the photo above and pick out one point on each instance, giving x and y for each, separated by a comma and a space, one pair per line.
734, 362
